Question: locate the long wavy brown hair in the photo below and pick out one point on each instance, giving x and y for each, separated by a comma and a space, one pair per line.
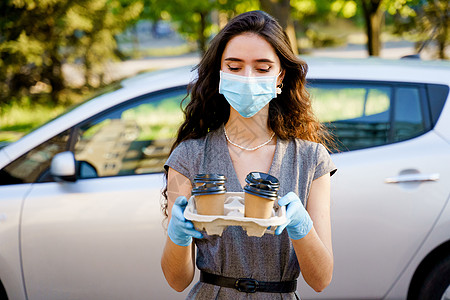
290, 113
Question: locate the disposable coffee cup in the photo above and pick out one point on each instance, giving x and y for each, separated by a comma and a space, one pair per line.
209, 194
261, 192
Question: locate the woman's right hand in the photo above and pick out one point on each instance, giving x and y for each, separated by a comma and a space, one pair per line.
180, 230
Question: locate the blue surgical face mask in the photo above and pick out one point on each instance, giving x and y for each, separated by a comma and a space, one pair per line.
248, 95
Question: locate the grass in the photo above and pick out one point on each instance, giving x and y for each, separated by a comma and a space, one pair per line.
22, 116
17, 119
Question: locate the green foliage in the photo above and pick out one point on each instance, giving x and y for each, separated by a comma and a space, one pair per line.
402, 7
309, 11
371, 11
197, 20
350, 8
346, 9
39, 36
319, 22
428, 21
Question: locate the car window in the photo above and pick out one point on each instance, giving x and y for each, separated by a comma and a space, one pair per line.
408, 119
357, 115
363, 115
437, 95
134, 138
34, 165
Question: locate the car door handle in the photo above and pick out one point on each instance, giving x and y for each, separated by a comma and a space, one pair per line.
413, 178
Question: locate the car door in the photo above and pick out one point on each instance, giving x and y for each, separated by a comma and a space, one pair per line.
388, 190
101, 237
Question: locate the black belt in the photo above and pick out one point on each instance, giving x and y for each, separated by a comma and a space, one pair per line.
249, 285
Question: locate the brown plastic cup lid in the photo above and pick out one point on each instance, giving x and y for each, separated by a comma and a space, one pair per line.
219, 178
262, 185
209, 189
263, 178
260, 191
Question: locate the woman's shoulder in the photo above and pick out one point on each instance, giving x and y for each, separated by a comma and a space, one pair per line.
194, 145
199, 142
310, 151
305, 146
317, 154
186, 156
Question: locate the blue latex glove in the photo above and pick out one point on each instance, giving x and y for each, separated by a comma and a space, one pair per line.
180, 230
299, 222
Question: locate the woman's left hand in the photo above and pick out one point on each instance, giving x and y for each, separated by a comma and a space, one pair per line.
299, 222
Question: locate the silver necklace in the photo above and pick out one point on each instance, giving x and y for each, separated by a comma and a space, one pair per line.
248, 149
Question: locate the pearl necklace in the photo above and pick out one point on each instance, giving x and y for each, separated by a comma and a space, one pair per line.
248, 149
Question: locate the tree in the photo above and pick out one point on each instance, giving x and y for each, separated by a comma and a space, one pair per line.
281, 10
194, 18
39, 36
309, 13
436, 19
373, 18
373, 12
93, 39
28, 48
196, 25
431, 22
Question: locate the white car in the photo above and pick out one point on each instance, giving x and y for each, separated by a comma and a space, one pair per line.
80, 197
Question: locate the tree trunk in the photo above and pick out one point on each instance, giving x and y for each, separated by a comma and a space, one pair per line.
52, 67
53, 70
443, 37
56, 79
87, 71
281, 11
201, 33
373, 17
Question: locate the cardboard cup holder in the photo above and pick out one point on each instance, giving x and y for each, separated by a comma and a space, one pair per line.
234, 216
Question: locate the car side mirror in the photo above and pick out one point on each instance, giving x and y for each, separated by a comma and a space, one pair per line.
63, 167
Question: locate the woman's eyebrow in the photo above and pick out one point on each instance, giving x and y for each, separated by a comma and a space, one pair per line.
264, 60
256, 60
233, 59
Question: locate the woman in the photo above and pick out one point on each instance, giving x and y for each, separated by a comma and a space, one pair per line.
249, 111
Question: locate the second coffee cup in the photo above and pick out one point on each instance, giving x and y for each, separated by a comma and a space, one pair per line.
261, 192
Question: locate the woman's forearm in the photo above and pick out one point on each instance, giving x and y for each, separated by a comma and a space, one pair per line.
177, 263
314, 251
315, 260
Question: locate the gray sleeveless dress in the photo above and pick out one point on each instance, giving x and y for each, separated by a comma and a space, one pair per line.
296, 164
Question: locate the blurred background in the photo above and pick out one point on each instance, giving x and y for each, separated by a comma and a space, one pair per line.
56, 53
